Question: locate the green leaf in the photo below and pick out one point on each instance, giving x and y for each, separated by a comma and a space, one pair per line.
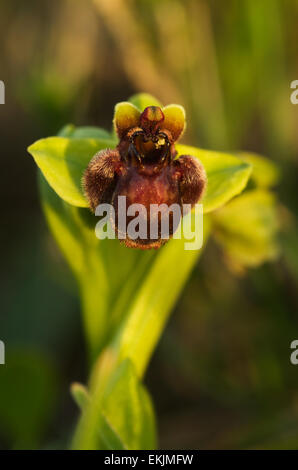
265, 173
90, 132
153, 301
80, 394
120, 416
131, 295
247, 228
127, 406
106, 437
143, 100
105, 291
73, 229
66, 131
227, 175
63, 160
85, 132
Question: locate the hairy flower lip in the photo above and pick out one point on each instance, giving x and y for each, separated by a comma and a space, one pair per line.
143, 166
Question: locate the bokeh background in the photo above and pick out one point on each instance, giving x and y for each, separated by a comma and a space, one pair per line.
221, 376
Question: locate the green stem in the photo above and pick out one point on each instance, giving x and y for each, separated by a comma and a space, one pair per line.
140, 331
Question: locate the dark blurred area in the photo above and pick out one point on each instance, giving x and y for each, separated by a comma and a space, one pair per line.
221, 376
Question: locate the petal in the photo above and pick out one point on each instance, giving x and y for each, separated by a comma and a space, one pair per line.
126, 116
174, 119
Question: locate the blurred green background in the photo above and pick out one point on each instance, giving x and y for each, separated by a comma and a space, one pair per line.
221, 376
